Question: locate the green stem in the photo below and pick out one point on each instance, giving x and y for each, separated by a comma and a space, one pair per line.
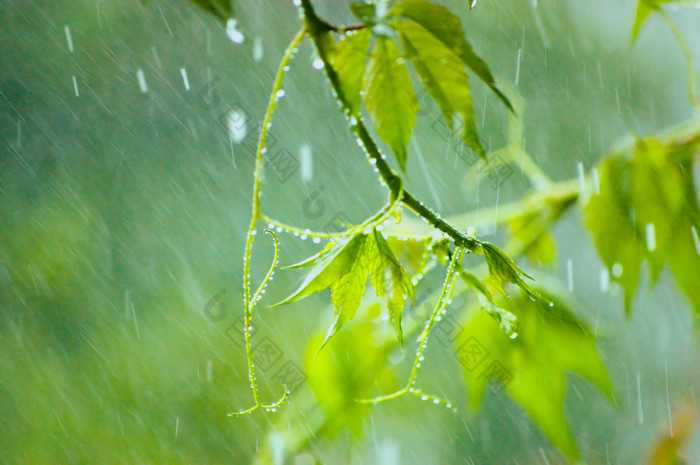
320, 34
249, 303
438, 311
440, 308
374, 221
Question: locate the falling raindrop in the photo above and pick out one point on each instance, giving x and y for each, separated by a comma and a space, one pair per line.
596, 181
237, 127
640, 412
142, 81
185, 80
581, 176
258, 50
696, 240
650, 236
69, 39
604, 280
233, 33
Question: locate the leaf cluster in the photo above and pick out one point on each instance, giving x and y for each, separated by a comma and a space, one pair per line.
646, 208
375, 71
344, 267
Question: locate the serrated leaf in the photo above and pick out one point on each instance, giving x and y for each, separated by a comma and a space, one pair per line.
344, 268
347, 292
609, 218
384, 262
314, 259
444, 77
389, 97
503, 270
647, 208
348, 60
446, 27
531, 367
329, 266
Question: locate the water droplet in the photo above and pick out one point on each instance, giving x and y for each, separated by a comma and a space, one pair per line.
617, 270
236, 124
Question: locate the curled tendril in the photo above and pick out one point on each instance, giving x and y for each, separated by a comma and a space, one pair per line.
258, 294
271, 271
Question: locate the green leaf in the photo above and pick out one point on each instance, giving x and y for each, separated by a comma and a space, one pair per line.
344, 268
541, 248
329, 266
531, 367
506, 320
503, 270
222, 9
646, 7
647, 208
530, 230
347, 292
389, 97
411, 252
349, 370
444, 78
447, 28
609, 218
348, 60
365, 12
383, 263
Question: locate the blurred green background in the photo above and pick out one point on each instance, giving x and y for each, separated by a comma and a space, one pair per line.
124, 204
